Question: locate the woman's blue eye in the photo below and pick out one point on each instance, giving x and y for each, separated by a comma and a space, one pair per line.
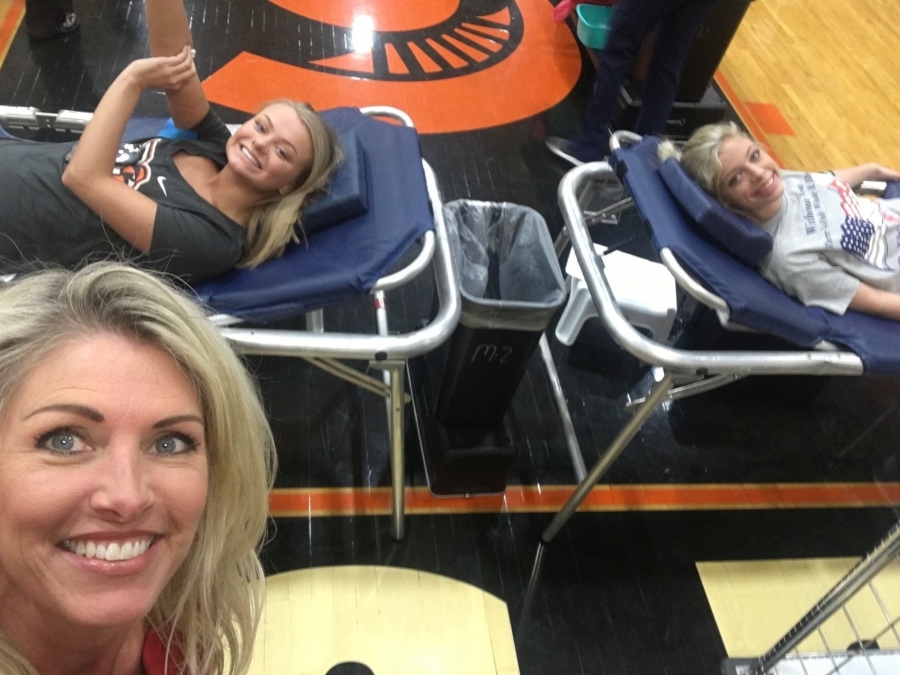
62, 441
174, 444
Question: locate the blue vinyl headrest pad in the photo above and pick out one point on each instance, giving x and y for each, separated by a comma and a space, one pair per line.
741, 237
347, 196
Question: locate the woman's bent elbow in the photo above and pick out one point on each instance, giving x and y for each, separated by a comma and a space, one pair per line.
70, 179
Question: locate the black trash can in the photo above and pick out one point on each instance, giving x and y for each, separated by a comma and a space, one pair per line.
511, 286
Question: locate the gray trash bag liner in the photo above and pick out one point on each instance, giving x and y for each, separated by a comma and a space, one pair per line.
509, 274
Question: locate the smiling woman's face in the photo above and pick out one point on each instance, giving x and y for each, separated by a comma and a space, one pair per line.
750, 180
271, 150
103, 472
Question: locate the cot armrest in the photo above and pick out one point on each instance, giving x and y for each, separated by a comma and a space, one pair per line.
874, 188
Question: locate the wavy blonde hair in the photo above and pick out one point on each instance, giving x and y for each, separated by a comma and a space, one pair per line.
272, 223
700, 154
212, 604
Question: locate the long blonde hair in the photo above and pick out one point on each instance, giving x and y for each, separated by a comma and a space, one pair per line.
213, 602
272, 223
700, 154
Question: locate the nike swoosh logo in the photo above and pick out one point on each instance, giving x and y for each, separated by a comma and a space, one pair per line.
161, 180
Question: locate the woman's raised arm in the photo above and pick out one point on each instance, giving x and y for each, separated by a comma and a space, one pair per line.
89, 172
169, 33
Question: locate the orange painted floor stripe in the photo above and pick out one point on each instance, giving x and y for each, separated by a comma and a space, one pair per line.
770, 119
9, 24
300, 502
744, 113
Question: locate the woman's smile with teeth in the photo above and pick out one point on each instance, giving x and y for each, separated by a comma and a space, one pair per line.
109, 551
768, 184
250, 156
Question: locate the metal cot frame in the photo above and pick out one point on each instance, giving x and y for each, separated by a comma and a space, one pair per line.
325, 350
693, 371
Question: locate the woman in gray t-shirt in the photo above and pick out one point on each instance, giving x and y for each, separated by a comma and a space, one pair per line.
831, 248
198, 217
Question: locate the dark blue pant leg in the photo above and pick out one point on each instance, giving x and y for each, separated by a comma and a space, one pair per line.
676, 34
632, 20
43, 17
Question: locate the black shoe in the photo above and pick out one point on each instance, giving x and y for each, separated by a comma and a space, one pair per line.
67, 27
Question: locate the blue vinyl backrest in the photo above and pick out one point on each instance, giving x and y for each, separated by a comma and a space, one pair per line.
741, 237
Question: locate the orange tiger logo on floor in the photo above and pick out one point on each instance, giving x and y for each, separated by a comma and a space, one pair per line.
452, 65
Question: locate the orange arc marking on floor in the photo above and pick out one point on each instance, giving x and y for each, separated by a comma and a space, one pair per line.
451, 58
495, 33
425, 61
503, 15
387, 15
395, 63
9, 24
465, 48
299, 502
479, 39
744, 113
439, 106
361, 62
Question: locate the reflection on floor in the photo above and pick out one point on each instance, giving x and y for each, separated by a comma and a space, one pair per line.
618, 592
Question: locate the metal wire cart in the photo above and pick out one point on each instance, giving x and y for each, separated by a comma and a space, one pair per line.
855, 602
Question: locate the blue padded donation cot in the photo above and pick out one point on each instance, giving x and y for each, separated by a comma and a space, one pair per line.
338, 262
711, 253
379, 226
752, 301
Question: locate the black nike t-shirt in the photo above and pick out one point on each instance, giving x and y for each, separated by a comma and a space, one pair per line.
41, 221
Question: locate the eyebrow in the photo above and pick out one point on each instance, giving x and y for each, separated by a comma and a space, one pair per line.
96, 416
177, 419
282, 138
80, 410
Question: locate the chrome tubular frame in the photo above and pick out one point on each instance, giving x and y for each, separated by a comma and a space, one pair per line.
720, 366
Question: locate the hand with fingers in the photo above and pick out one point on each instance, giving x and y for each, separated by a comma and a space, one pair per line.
884, 173
166, 73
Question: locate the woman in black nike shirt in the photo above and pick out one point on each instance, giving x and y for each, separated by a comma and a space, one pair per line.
192, 208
